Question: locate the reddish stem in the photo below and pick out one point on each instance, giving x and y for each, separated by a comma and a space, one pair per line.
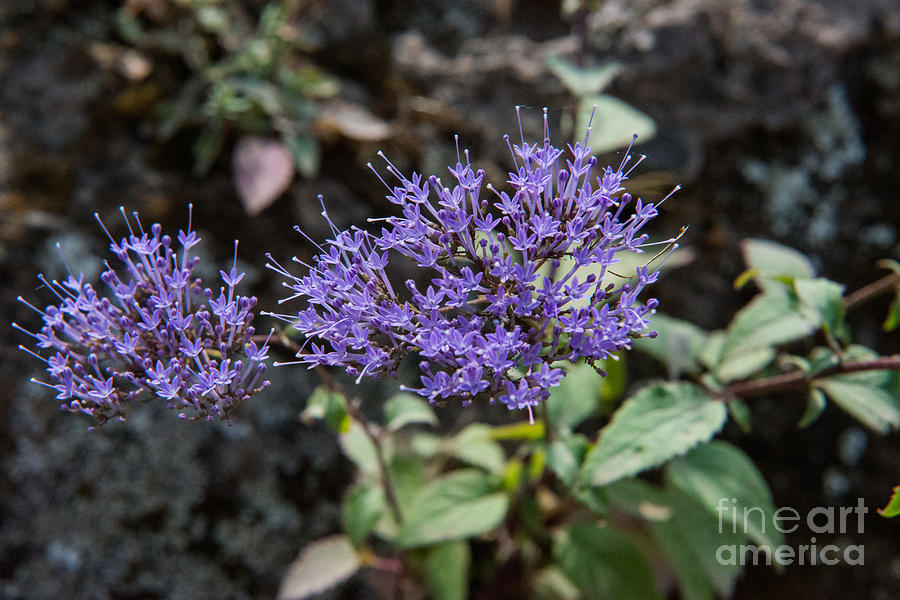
798, 380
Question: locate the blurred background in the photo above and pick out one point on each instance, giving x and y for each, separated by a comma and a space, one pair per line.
779, 117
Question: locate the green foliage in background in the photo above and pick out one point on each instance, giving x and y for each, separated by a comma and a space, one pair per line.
247, 76
614, 123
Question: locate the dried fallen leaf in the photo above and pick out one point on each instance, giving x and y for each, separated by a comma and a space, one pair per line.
320, 566
354, 122
263, 169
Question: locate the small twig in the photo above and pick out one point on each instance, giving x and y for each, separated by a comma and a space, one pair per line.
885, 285
798, 380
369, 428
353, 408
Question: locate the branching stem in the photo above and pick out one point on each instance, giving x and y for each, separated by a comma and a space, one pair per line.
798, 380
886, 284
374, 434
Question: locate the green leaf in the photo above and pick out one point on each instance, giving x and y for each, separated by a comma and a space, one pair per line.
304, 83
513, 474
364, 504
475, 446
815, 404
893, 507
688, 535
740, 414
575, 399
821, 358
271, 20
772, 318
711, 354
743, 364
306, 151
824, 302
262, 95
874, 407
612, 386
615, 123
583, 81
885, 378
745, 278
551, 583
641, 499
658, 423
702, 537
771, 260
328, 406
405, 409
711, 383
425, 444
564, 457
797, 362
594, 498
359, 448
530, 513
129, 27
677, 344
179, 111
447, 571
536, 463
692, 581
523, 430
320, 566
460, 505
892, 320
729, 486
408, 476
690, 540
208, 147
604, 563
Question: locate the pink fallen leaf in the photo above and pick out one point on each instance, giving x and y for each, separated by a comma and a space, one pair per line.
263, 169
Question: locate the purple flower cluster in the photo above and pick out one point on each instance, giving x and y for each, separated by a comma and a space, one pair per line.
158, 331
513, 282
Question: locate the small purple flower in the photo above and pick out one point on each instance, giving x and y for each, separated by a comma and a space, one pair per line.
517, 281
153, 336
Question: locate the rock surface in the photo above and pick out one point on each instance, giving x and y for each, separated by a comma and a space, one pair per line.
779, 116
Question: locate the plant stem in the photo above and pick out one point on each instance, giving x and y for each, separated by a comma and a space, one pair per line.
353, 408
549, 433
798, 380
886, 284
371, 431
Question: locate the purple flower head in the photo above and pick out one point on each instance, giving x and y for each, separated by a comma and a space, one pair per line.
518, 281
157, 334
